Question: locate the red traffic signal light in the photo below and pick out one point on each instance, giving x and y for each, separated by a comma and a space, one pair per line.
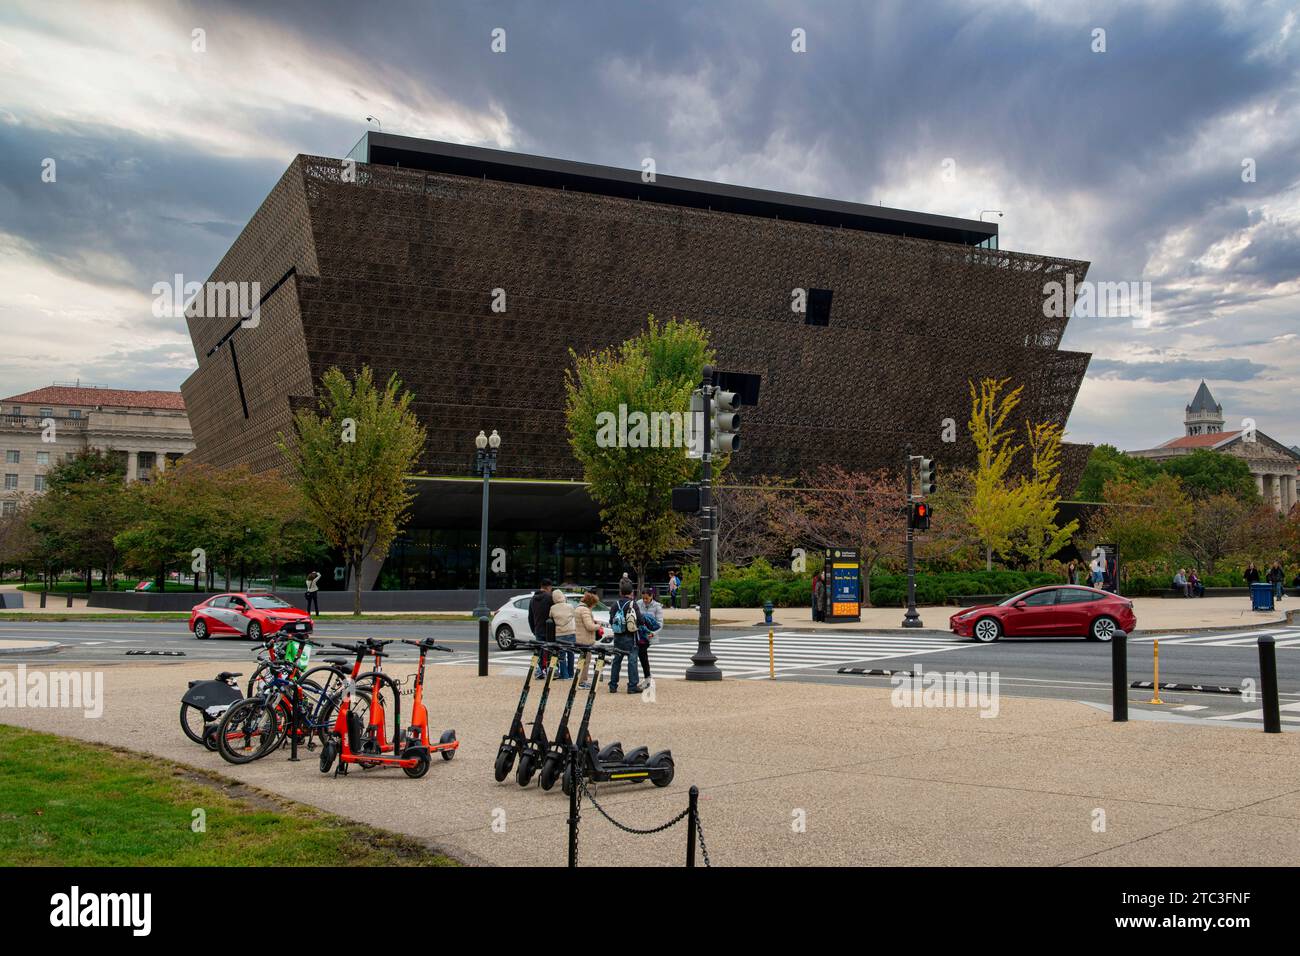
920, 517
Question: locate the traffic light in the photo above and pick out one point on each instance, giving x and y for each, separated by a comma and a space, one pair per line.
726, 422
927, 476
919, 520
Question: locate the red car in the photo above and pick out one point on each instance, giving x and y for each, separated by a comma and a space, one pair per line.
247, 615
1067, 610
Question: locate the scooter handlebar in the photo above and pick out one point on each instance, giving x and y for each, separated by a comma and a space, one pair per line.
428, 645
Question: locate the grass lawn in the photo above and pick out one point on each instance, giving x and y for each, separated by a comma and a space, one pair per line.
64, 802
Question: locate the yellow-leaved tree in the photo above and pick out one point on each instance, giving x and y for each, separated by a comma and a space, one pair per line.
998, 506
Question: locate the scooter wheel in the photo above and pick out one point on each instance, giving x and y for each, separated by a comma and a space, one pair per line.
328, 754
611, 754
419, 770
527, 766
210, 737
566, 782
447, 737
550, 770
505, 760
661, 770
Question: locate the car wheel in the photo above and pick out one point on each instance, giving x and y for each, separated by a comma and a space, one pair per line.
255, 631
1103, 629
201, 630
987, 630
505, 637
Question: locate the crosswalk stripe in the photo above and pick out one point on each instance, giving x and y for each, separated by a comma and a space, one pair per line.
1289, 637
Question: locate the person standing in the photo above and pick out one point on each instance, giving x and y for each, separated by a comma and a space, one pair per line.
1072, 572
651, 613
313, 592
587, 631
566, 630
1252, 574
539, 612
1277, 579
1098, 568
818, 596
674, 582
623, 622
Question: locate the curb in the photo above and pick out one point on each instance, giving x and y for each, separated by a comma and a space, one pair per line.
1201, 688
35, 647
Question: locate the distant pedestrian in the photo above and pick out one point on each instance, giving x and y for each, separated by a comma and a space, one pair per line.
1098, 570
1194, 586
1180, 583
539, 612
674, 582
313, 592
587, 631
1252, 574
651, 613
566, 630
1277, 578
1072, 572
623, 622
818, 596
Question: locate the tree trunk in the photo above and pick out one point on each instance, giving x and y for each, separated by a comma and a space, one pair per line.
355, 568
988, 557
90, 582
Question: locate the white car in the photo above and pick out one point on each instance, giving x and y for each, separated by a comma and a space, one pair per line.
510, 621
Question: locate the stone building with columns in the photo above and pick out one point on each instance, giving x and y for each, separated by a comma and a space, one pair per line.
148, 430
1273, 464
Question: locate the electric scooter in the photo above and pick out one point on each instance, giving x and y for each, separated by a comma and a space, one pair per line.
535, 747
516, 739
447, 744
369, 746
598, 765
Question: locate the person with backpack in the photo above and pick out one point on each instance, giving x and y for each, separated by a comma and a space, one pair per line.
651, 613
539, 612
623, 622
674, 582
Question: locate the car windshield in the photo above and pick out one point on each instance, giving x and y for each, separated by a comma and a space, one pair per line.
265, 602
1018, 597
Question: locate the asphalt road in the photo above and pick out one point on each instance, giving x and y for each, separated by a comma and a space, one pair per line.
1048, 667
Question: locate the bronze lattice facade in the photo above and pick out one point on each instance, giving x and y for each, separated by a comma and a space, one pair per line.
395, 268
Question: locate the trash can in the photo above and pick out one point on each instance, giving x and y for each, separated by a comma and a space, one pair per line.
1261, 596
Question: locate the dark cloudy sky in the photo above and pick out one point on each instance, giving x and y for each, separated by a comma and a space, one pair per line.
1130, 158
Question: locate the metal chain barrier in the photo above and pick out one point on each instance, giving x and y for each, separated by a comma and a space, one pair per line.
586, 793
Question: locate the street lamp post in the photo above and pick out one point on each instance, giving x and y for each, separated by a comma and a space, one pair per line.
485, 462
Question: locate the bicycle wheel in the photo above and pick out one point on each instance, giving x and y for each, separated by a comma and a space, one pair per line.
257, 681
192, 722
251, 729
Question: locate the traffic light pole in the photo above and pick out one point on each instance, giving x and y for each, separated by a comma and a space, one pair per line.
911, 618
703, 662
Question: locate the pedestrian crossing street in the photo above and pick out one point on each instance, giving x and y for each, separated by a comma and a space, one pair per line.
746, 655
1286, 637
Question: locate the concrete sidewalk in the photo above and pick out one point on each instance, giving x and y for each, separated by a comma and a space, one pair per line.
794, 774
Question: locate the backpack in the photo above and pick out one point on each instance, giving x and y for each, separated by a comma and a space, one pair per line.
621, 622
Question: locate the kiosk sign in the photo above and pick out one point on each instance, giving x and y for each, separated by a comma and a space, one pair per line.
846, 572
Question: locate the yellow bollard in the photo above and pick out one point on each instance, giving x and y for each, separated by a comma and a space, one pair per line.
771, 655
1155, 682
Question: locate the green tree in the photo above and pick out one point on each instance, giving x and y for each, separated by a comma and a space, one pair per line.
1146, 521
998, 506
350, 459
1206, 473
1108, 463
646, 383
1039, 537
84, 508
1224, 525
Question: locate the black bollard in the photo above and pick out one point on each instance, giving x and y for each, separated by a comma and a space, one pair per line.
70, 599
1119, 677
42, 599
1268, 684
482, 647
573, 807
692, 824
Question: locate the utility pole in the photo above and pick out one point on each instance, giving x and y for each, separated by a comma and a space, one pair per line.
703, 662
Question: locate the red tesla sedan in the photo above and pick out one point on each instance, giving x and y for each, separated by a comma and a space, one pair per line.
247, 615
1067, 610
